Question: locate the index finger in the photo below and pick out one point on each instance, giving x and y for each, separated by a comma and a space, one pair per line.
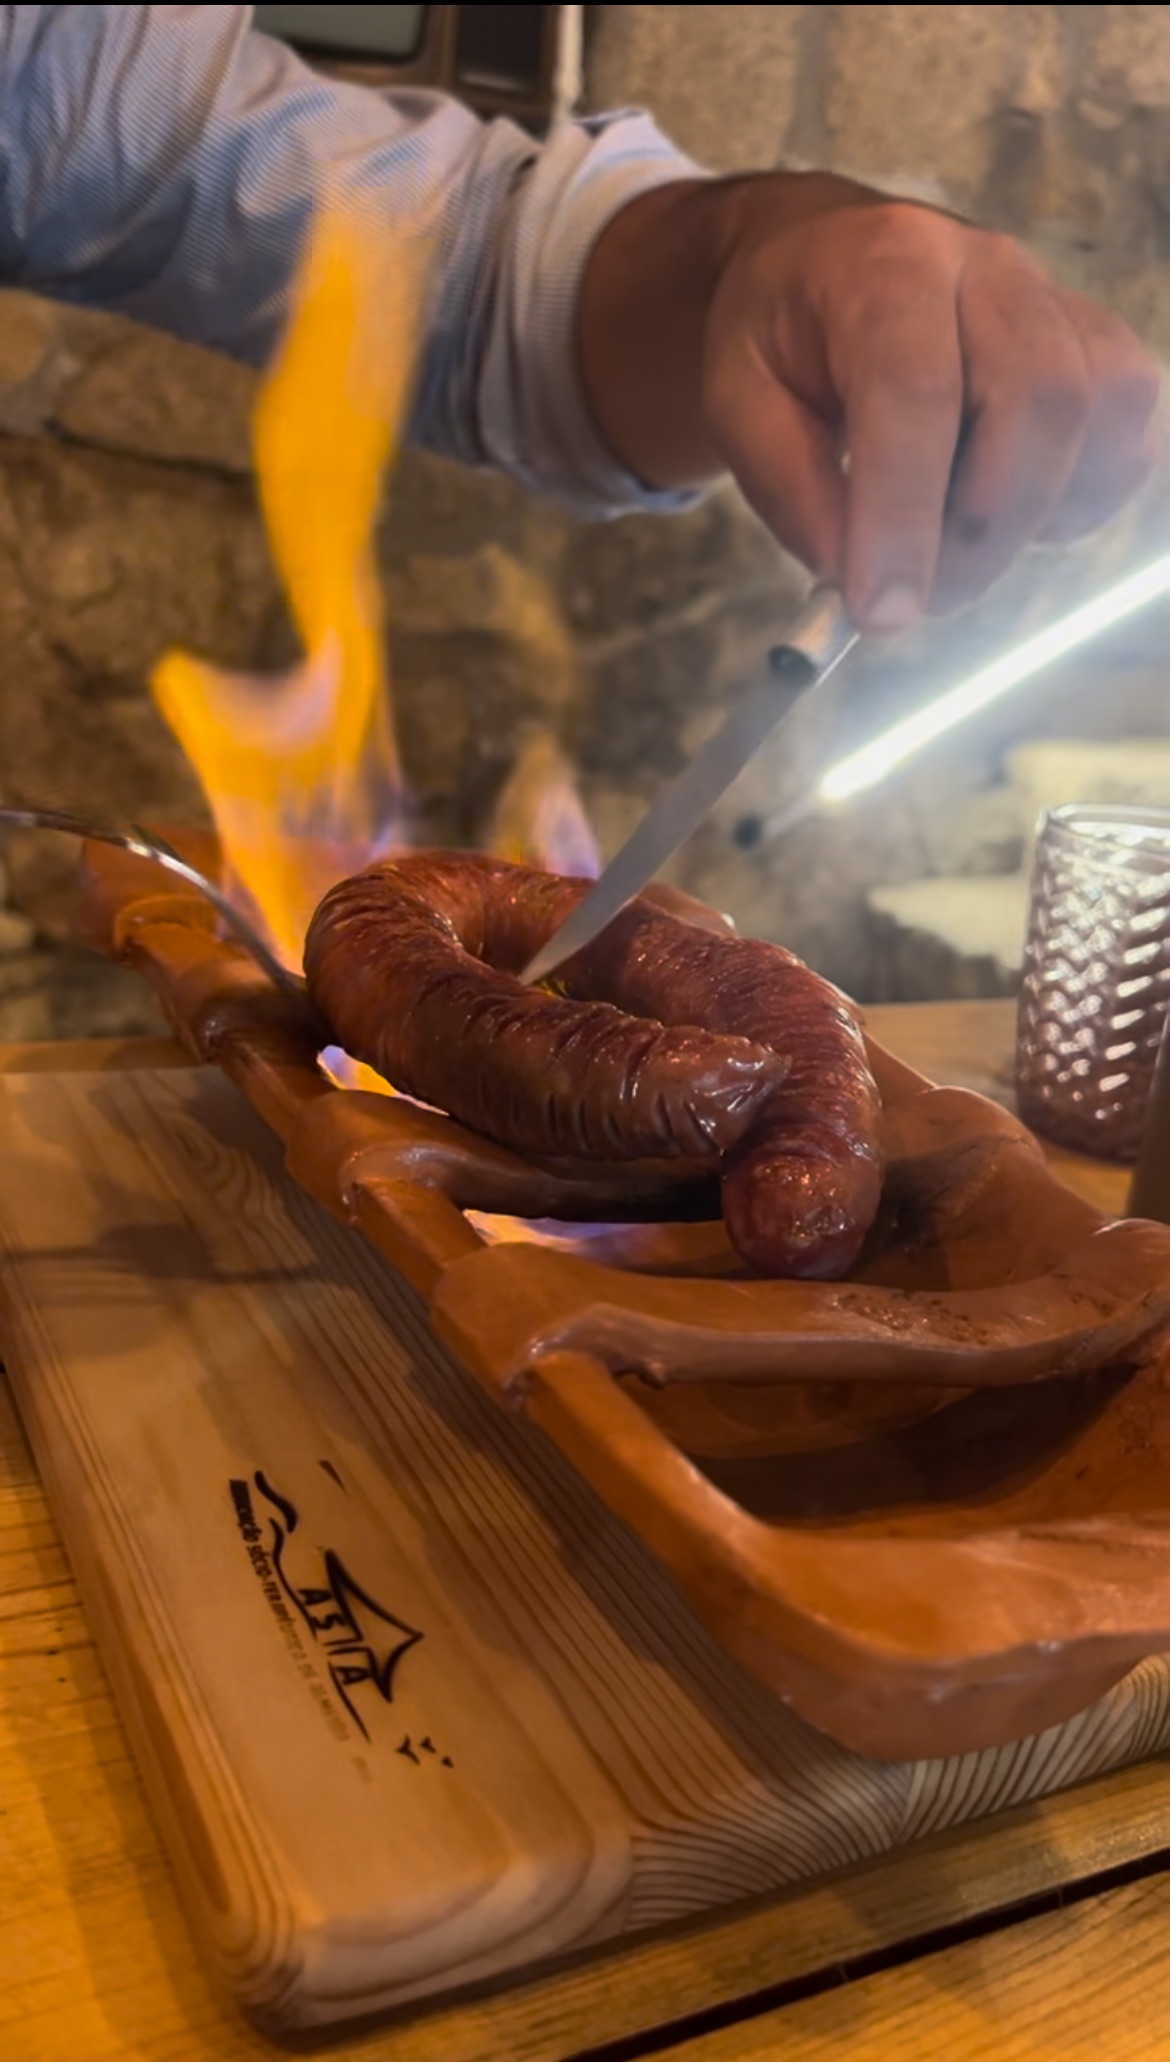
903, 396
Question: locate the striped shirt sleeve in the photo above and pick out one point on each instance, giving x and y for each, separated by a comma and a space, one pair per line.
163, 162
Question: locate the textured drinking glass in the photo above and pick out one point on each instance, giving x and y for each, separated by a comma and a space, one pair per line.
1096, 976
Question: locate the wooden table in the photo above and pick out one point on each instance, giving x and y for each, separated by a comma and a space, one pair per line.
1040, 1935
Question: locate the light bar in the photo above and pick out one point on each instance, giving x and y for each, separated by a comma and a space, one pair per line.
871, 763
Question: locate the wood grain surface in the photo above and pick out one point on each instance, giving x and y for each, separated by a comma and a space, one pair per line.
1079, 1983
610, 1772
95, 1957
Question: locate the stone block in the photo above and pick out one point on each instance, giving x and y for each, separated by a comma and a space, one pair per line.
1129, 57
438, 509
1142, 297
722, 81
68, 993
16, 933
103, 565
641, 572
487, 592
976, 835
1040, 70
807, 889
33, 360
121, 560
154, 397
911, 89
1047, 773
479, 652
947, 940
639, 699
67, 751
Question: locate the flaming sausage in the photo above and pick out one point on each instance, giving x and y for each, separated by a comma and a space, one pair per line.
668, 1040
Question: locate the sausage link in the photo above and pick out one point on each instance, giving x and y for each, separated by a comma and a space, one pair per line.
716, 1044
802, 1187
413, 963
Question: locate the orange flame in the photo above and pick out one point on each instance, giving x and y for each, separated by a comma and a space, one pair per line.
539, 819
302, 773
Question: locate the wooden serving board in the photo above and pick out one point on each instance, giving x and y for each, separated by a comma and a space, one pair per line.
413, 1707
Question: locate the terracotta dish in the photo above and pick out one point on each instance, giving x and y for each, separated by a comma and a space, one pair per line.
927, 1505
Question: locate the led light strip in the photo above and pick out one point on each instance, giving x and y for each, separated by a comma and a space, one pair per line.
873, 762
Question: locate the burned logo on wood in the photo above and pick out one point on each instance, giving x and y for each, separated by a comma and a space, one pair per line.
361, 1642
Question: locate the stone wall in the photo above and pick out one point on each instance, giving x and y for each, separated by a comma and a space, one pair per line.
127, 517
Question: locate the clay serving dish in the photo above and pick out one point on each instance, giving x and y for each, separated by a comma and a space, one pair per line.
929, 1506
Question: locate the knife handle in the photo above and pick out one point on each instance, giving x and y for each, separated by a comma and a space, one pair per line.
823, 634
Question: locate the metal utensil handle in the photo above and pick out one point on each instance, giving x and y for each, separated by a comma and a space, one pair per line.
145, 845
824, 634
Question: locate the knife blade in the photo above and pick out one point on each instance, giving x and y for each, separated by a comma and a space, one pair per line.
822, 637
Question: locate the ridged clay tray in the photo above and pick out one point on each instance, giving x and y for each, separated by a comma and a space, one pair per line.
929, 1506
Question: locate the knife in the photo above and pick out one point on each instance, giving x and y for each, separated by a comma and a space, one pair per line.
821, 639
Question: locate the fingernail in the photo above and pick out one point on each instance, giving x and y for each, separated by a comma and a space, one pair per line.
893, 608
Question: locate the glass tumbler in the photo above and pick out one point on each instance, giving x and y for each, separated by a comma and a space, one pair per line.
1096, 976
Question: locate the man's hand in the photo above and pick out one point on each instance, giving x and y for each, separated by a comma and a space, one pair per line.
905, 400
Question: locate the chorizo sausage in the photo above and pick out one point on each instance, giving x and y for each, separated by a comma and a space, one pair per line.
413, 964
802, 1186
667, 1040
